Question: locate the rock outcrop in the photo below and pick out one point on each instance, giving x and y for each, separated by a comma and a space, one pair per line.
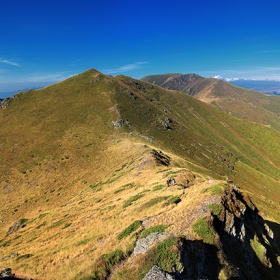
244, 244
156, 273
143, 244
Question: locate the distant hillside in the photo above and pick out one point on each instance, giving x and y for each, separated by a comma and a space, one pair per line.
239, 102
115, 178
265, 86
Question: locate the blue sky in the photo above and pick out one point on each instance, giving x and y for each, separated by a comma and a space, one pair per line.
43, 42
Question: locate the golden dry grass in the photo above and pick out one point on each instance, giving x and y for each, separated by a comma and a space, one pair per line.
80, 182
64, 239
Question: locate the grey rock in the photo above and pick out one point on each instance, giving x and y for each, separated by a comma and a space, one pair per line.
156, 273
143, 244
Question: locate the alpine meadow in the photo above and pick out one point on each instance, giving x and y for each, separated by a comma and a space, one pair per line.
171, 176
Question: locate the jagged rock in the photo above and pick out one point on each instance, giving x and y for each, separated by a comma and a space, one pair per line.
6, 272
128, 92
143, 244
156, 273
238, 226
118, 123
4, 103
161, 158
165, 124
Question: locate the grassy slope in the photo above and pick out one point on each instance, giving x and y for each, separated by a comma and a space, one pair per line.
242, 103
70, 172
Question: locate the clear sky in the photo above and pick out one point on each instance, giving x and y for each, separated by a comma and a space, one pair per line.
42, 42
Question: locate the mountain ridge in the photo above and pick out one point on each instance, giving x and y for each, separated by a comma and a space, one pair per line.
242, 103
85, 163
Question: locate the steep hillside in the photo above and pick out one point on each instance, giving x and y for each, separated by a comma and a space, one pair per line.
239, 102
84, 165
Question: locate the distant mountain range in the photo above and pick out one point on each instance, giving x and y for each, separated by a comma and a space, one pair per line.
265, 86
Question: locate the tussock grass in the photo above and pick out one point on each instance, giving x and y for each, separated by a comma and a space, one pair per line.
127, 231
132, 199
215, 208
165, 255
201, 228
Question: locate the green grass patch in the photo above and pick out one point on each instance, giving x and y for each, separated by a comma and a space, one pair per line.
165, 255
258, 248
127, 231
67, 225
204, 190
105, 263
132, 199
172, 200
215, 208
24, 257
5, 243
107, 208
157, 228
119, 190
158, 187
57, 224
96, 187
83, 242
41, 225
217, 189
201, 228
154, 201
214, 190
172, 172
128, 186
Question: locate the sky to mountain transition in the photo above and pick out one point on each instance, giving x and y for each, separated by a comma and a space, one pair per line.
42, 42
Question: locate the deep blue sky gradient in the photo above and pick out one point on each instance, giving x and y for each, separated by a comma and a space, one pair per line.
46, 41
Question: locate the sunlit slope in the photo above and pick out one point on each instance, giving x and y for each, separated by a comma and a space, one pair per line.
208, 137
69, 126
239, 102
83, 159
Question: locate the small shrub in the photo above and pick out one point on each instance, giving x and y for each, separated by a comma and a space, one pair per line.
157, 228
215, 208
127, 231
202, 230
